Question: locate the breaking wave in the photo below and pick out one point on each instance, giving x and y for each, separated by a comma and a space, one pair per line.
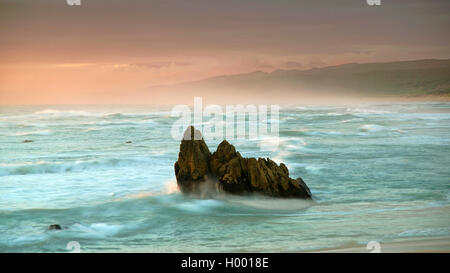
43, 167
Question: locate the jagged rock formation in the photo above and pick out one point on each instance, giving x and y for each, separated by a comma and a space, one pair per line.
231, 172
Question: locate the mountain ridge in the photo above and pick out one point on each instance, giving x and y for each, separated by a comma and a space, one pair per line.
311, 70
414, 78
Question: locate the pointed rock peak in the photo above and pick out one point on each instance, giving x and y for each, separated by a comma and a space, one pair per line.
192, 134
225, 150
193, 161
225, 145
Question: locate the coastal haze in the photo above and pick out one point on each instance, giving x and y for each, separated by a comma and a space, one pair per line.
419, 80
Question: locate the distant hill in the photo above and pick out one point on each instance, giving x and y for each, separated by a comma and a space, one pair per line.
394, 79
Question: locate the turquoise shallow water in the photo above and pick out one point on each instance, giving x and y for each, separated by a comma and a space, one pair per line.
377, 172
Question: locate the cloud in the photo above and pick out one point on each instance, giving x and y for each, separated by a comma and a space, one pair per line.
292, 65
316, 64
150, 65
73, 65
257, 63
159, 65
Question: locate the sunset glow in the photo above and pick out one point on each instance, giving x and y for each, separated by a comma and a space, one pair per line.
109, 52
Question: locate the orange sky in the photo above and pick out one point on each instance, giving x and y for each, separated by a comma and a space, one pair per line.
104, 51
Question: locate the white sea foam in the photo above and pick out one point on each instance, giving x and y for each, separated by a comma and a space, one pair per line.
311, 168
372, 128
268, 203
280, 157
351, 120
53, 112
41, 167
96, 230
32, 133
170, 187
323, 133
199, 206
445, 231
271, 143
366, 111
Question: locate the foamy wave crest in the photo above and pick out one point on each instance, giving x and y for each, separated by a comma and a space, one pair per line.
365, 111
351, 120
323, 133
372, 128
32, 133
43, 167
119, 115
98, 230
170, 187
52, 112
270, 203
315, 169
445, 231
279, 158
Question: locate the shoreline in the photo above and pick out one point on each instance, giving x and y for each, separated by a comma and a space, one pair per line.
424, 245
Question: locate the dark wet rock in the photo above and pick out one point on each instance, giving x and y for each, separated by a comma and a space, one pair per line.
192, 166
304, 186
250, 175
128, 142
233, 173
27, 141
54, 227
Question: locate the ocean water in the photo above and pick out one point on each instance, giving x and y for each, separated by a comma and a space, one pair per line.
378, 172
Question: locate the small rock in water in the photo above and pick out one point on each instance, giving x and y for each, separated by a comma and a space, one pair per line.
128, 142
27, 141
54, 227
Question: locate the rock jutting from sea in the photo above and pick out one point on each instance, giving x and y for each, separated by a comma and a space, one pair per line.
226, 171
